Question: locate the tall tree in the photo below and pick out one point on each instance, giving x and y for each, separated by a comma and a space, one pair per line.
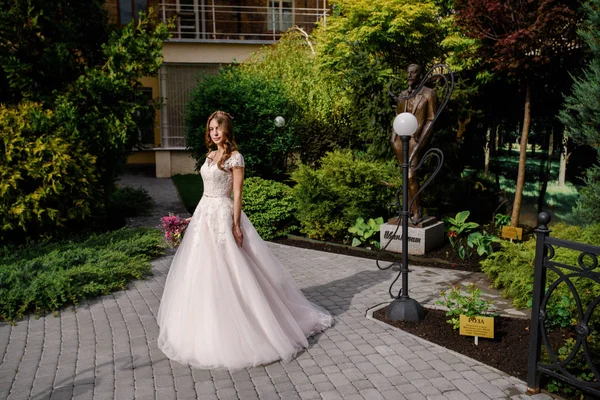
581, 115
521, 39
367, 45
46, 45
85, 101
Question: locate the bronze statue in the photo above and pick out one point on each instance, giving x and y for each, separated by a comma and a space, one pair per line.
423, 105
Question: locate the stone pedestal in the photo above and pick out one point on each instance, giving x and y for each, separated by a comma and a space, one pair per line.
420, 239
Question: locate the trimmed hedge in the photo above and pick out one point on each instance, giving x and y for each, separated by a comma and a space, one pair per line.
269, 206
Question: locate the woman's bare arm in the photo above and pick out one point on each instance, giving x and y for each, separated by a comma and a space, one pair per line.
238, 182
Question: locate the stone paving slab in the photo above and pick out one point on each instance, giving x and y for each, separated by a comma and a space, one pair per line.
106, 347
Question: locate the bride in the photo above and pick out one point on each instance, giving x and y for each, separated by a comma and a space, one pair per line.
228, 302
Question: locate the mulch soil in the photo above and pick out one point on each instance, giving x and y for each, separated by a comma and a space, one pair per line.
507, 351
443, 257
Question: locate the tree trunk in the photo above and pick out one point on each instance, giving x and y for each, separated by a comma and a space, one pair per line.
486, 151
564, 157
462, 127
516, 210
497, 139
550, 152
546, 174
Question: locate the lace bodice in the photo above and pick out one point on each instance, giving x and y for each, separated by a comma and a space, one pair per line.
219, 183
215, 210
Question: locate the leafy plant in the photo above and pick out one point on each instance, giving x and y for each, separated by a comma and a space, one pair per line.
482, 242
459, 224
561, 310
467, 303
365, 232
457, 229
501, 220
269, 206
63, 153
363, 47
578, 366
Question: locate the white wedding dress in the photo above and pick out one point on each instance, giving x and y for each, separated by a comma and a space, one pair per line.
229, 307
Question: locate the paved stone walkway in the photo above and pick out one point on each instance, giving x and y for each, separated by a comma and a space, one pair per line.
106, 348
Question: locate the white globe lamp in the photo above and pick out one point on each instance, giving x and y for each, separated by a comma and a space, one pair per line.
279, 122
405, 124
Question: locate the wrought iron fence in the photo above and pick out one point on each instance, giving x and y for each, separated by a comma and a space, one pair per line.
198, 20
558, 362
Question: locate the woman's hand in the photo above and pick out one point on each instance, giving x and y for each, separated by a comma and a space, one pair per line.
238, 235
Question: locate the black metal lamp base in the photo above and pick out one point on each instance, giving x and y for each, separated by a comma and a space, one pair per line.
405, 309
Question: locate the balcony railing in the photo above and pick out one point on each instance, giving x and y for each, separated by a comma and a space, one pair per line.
199, 21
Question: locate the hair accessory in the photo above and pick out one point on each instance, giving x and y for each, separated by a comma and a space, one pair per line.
223, 112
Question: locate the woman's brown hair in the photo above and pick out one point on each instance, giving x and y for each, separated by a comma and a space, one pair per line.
226, 126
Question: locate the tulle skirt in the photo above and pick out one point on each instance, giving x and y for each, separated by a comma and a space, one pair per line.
229, 307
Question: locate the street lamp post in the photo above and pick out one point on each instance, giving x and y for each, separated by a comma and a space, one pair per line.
403, 307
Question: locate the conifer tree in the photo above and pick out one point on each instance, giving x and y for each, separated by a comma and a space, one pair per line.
581, 115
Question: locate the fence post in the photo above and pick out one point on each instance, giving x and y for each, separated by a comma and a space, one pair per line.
537, 315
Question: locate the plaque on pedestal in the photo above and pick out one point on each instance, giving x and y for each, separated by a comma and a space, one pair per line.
421, 239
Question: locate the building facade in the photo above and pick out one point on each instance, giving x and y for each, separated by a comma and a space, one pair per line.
207, 35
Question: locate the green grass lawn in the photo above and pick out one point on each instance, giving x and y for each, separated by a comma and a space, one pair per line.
559, 200
190, 190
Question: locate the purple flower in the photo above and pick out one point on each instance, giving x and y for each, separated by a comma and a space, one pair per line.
173, 228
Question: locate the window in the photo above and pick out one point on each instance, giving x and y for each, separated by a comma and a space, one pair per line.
178, 81
145, 119
281, 17
130, 9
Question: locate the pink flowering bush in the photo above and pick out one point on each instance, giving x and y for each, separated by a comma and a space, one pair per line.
173, 228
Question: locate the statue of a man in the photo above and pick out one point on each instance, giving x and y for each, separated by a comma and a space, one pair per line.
423, 106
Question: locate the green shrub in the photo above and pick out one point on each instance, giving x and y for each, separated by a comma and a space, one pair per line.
511, 268
344, 188
587, 209
130, 202
467, 303
322, 119
47, 179
254, 102
45, 276
269, 206
104, 108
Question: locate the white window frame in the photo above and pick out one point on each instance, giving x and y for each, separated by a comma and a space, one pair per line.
280, 15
